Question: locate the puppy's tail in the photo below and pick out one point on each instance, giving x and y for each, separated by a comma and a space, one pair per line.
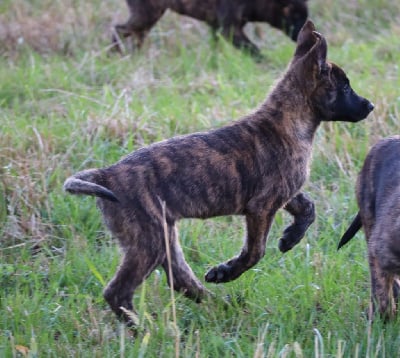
351, 231
89, 182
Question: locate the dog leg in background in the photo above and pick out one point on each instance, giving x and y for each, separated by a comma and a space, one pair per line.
253, 250
382, 290
383, 255
231, 25
236, 36
303, 211
184, 280
140, 22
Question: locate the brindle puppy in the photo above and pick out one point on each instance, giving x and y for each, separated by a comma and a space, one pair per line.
252, 167
229, 16
378, 196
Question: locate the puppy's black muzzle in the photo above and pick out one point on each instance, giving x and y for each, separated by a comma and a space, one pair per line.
351, 107
366, 108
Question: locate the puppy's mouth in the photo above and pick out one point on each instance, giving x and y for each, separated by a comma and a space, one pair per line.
369, 107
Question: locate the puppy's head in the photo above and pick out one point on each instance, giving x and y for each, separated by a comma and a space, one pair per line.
335, 100
324, 83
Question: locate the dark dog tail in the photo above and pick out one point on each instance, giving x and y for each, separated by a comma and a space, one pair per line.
351, 231
88, 182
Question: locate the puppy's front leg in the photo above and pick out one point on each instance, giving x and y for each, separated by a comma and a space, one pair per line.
253, 250
303, 211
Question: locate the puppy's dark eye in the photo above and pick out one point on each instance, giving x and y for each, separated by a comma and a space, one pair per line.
346, 88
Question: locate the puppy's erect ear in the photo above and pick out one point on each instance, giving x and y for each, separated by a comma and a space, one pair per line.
305, 40
320, 50
311, 49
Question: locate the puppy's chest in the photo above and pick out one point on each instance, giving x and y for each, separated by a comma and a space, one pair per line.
292, 164
294, 171
292, 176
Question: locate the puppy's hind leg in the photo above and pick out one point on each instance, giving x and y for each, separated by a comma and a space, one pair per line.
384, 260
382, 290
303, 211
139, 261
183, 278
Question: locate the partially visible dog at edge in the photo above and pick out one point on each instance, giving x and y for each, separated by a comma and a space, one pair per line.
378, 197
252, 167
227, 16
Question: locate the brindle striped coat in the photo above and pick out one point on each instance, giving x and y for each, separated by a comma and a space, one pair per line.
252, 167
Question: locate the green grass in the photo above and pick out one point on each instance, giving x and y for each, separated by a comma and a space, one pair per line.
65, 105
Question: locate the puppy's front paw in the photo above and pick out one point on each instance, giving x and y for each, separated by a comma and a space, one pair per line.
284, 246
218, 274
291, 237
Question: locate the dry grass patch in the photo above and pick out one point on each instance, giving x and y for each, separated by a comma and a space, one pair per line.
54, 26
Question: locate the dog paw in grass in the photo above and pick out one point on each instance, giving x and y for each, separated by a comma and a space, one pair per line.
218, 274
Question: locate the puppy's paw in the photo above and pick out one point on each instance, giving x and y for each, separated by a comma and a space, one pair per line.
291, 237
218, 274
284, 246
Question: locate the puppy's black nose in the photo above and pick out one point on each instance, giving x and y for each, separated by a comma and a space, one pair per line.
370, 106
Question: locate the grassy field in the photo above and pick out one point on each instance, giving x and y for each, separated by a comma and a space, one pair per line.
65, 105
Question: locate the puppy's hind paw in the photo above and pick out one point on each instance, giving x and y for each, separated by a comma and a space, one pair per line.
218, 274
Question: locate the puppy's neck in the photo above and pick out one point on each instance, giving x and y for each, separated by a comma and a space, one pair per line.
287, 110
